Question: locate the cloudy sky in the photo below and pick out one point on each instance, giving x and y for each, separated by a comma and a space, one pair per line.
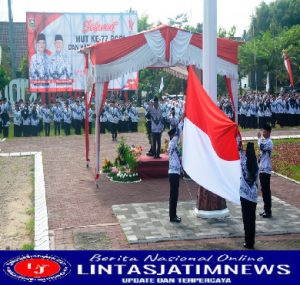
230, 12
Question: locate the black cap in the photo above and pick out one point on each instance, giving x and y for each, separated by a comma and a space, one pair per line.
155, 99
172, 132
267, 128
41, 37
58, 37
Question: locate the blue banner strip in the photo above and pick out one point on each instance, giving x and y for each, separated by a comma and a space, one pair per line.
150, 267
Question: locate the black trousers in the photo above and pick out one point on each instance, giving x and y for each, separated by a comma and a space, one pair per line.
273, 120
114, 131
17, 131
77, 126
174, 189
56, 128
134, 126
156, 140
90, 127
102, 127
264, 179
5, 132
67, 128
26, 130
34, 130
47, 129
249, 216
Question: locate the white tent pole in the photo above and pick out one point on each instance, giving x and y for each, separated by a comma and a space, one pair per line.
210, 48
98, 94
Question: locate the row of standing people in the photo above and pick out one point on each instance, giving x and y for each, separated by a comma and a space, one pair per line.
256, 110
31, 119
116, 117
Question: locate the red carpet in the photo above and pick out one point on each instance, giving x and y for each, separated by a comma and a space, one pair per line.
148, 167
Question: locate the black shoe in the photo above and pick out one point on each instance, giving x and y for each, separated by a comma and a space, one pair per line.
149, 153
155, 156
248, 246
267, 216
175, 220
261, 214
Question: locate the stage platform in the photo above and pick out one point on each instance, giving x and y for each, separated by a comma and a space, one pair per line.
148, 167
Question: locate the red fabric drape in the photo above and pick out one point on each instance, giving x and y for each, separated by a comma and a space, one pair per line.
126, 96
288, 67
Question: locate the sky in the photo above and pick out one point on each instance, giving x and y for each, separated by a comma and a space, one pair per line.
230, 12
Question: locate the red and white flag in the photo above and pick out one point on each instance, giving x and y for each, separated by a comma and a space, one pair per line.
287, 64
210, 151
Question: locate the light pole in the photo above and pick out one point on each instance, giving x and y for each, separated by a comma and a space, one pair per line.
11, 39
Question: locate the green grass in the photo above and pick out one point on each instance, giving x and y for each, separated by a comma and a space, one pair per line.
30, 213
42, 133
284, 141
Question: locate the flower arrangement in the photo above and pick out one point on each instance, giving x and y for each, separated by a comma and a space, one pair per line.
136, 150
123, 169
107, 165
164, 148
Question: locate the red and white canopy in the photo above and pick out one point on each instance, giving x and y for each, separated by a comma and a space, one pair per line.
164, 47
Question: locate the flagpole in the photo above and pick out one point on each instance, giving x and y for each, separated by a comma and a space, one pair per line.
210, 48
209, 205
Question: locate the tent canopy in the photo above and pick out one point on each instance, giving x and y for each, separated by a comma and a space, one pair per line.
163, 46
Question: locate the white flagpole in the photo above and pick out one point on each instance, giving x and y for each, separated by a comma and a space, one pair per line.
216, 207
210, 48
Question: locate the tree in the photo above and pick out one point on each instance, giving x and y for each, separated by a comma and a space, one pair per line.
143, 24
24, 67
6, 63
4, 78
179, 21
222, 33
278, 15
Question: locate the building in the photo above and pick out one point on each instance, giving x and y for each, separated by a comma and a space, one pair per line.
20, 40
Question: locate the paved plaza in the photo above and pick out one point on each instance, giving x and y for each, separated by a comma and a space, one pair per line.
149, 222
134, 216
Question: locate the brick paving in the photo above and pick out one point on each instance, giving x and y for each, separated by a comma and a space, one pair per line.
77, 210
149, 222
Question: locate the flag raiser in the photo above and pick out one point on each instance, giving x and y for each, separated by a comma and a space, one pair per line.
210, 152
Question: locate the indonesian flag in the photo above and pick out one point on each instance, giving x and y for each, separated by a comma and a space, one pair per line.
210, 151
287, 64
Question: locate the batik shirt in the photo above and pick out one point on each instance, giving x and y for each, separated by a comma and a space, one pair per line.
60, 67
67, 115
46, 115
174, 160
17, 118
248, 189
157, 125
39, 67
265, 146
114, 115
57, 114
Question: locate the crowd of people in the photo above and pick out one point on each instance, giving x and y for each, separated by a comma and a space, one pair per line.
257, 109
31, 119
254, 110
